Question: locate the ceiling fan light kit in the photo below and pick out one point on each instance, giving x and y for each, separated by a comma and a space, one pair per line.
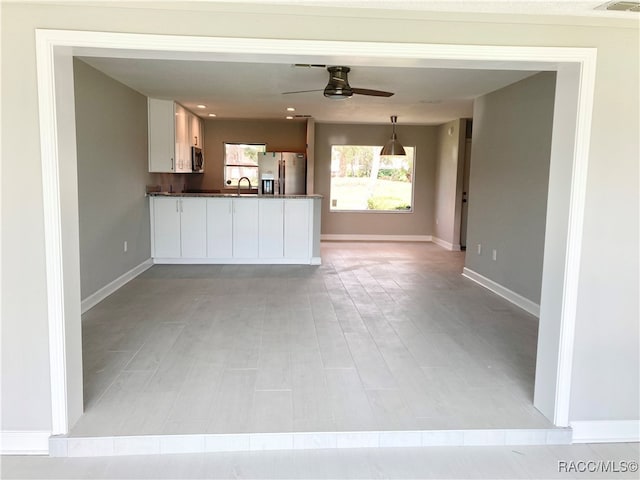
393, 146
338, 86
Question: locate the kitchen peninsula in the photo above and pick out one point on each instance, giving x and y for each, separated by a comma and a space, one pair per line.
209, 228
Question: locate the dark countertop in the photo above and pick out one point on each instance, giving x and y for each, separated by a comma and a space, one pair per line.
226, 195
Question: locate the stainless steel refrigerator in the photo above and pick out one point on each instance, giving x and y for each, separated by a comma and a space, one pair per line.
288, 170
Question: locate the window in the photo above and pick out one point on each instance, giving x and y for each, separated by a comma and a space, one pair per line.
241, 160
362, 180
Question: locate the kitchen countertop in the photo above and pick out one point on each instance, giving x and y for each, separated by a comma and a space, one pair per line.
226, 195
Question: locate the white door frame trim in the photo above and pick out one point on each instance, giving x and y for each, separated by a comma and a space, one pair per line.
49, 42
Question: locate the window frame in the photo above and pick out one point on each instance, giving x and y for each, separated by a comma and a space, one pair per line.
225, 165
367, 211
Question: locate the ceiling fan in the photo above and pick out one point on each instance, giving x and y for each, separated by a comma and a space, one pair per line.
338, 86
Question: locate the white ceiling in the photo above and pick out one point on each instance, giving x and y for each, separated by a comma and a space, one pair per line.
568, 8
251, 86
254, 90
580, 8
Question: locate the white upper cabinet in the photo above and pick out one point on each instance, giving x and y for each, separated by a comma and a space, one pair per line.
161, 122
196, 131
173, 130
183, 144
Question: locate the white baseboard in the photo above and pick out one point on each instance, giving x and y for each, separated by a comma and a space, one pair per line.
444, 244
247, 442
95, 298
238, 261
347, 237
513, 297
606, 431
24, 442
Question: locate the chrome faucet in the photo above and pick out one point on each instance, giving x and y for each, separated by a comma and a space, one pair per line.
243, 178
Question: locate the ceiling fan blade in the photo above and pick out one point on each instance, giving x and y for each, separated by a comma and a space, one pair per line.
309, 65
373, 93
301, 91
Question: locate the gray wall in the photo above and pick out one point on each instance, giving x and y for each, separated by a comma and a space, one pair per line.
420, 221
448, 182
508, 183
111, 135
605, 385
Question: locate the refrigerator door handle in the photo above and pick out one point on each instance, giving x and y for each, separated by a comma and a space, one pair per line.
282, 176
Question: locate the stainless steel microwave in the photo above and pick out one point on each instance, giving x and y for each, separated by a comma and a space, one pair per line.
197, 160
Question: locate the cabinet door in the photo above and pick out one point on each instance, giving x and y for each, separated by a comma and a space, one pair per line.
270, 228
193, 227
195, 129
219, 228
166, 227
161, 125
245, 228
183, 146
297, 242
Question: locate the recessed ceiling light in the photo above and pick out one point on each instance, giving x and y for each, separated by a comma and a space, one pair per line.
212, 114
291, 109
289, 117
202, 106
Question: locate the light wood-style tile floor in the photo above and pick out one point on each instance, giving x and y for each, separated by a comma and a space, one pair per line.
382, 336
522, 462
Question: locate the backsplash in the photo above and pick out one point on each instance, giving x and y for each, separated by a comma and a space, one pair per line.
167, 182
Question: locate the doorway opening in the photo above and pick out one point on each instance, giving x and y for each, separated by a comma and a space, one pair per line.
574, 93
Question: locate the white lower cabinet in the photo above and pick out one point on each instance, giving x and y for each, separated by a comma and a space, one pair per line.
193, 228
235, 230
271, 215
297, 240
179, 228
219, 228
166, 227
245, 228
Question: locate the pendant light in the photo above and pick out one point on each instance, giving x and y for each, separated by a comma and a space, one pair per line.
393, 146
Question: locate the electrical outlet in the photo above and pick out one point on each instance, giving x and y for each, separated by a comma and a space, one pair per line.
479, 249
494, 255
126, 246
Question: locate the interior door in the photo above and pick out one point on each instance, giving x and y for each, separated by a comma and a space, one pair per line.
465, 194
